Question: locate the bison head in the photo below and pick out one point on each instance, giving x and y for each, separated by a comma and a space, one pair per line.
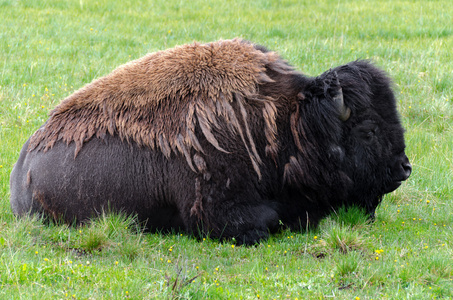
350, 112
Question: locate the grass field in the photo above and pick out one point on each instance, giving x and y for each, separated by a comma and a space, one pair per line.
50, 48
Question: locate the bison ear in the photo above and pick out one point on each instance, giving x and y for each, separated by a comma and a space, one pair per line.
344, 112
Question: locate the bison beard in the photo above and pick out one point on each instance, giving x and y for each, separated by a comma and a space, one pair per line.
224, 139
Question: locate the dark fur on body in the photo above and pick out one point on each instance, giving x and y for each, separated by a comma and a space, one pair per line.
234, 153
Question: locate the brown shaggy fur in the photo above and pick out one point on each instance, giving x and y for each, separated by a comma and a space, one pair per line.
156, 101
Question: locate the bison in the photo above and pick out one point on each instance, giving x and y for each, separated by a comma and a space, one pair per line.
223, 139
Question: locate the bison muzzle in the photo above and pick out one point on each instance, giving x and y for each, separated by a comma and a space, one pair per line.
223, 139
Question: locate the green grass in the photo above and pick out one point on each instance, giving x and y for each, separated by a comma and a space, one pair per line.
50, 48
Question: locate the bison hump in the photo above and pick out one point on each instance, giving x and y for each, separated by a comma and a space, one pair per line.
159, 100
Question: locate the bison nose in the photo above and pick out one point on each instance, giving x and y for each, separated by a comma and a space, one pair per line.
407, 167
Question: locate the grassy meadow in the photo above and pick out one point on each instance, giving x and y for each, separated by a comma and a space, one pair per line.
50, 48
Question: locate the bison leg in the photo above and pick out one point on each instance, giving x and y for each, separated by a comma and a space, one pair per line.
247, 224
227, 203
266, 220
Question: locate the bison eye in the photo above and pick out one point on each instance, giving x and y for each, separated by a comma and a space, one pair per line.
366, 131
370, 134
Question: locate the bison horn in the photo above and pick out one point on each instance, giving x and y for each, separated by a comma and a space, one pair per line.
344, 111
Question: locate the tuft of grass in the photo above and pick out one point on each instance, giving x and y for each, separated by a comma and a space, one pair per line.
353, 216
94, 239
345, 239
348, 264
345, 231
113, 232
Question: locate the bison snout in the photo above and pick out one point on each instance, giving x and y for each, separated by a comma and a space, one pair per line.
402, 169
400, 172
407, 169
